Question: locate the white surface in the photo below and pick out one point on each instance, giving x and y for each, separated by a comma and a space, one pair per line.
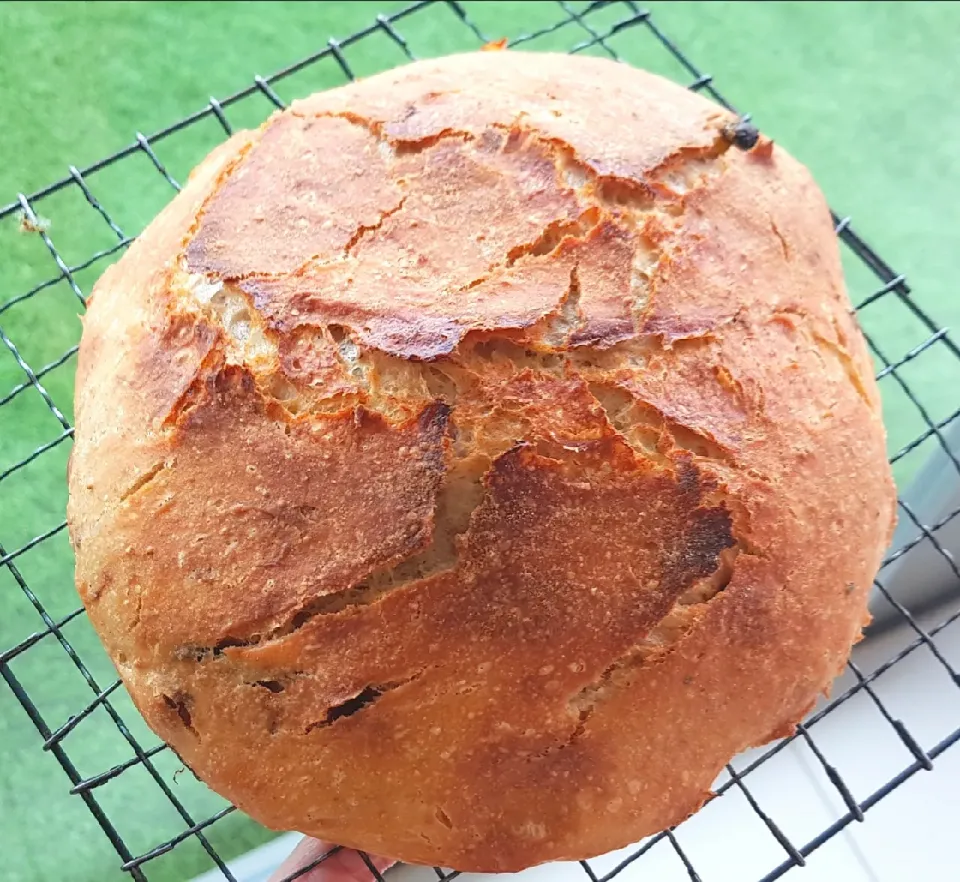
913, 835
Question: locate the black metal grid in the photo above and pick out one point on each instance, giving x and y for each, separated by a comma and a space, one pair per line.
591, 27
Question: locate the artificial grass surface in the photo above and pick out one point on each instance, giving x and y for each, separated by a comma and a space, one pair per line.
864, 93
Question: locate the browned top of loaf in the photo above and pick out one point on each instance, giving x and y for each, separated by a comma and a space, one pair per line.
474, 458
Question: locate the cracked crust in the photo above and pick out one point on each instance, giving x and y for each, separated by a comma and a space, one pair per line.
472, 460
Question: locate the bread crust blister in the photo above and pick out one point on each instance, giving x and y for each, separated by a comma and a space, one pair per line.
475, 458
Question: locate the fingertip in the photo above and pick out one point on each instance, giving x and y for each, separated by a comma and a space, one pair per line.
316, 861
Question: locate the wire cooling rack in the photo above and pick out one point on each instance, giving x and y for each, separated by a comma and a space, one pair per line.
159, 817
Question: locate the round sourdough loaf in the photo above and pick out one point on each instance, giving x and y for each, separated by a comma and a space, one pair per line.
473, 459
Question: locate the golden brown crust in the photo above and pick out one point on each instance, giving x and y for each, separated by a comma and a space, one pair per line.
474, 459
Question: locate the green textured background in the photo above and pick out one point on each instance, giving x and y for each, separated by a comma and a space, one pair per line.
864, 93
